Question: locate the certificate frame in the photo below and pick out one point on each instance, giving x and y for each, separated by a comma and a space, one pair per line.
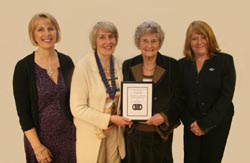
137, 100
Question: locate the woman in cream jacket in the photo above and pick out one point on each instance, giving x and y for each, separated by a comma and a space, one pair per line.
94, 100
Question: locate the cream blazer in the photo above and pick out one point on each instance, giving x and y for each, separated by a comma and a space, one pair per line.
87, 101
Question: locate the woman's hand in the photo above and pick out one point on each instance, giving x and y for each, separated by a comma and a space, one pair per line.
155, 120
121, 121
43, 155
196, 129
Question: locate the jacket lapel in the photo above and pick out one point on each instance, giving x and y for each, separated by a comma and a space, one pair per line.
137, 72
159, 72
138, 75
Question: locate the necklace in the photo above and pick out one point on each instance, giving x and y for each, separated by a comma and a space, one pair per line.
46, 64
110, 90
49, 70
107, 69
144, 67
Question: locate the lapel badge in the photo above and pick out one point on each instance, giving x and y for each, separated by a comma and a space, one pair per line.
211, 69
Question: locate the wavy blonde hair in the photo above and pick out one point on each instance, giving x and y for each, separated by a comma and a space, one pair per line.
202, 28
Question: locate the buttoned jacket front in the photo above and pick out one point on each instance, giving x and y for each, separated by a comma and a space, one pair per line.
208, 94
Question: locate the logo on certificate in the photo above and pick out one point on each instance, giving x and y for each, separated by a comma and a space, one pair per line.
137, 106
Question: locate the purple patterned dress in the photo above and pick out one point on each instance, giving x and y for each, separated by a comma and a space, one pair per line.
57, 133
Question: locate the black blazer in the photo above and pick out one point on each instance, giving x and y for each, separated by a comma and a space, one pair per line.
167, 97
208, 94
25, 89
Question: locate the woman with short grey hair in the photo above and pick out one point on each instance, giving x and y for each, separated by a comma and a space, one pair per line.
148, 27
95, 100
150, 141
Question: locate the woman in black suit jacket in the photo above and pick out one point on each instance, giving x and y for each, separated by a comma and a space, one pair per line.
151, 141
209, 81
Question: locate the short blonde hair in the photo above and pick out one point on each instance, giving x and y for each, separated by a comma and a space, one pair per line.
148, 27
105, 26
202, 28
33, 24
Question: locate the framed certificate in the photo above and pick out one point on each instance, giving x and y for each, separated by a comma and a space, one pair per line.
137, 100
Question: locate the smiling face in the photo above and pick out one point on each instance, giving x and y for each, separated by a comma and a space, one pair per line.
199, 44
149, 44
105, 43
45, 34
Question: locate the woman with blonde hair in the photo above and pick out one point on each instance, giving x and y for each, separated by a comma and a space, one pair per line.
209, 78
41, 85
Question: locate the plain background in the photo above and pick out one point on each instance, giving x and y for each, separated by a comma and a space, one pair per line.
229, 20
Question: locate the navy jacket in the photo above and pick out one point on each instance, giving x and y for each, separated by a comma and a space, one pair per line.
208, 94
25, 89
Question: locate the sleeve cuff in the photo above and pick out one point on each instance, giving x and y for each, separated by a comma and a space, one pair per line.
166, 121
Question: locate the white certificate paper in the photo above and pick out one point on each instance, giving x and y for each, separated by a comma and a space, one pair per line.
137, 100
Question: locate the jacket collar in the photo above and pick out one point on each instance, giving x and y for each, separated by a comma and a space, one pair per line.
137, 73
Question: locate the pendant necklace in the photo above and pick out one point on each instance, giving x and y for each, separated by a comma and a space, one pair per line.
110, 90
49, 70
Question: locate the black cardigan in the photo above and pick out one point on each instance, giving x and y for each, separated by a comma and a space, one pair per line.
25, 89
209, 94
167, 92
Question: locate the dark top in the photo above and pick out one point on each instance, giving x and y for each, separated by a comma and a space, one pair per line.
56, 131
167, 95
25, 89
208, 94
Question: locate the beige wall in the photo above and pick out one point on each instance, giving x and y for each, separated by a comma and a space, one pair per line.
229, 19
